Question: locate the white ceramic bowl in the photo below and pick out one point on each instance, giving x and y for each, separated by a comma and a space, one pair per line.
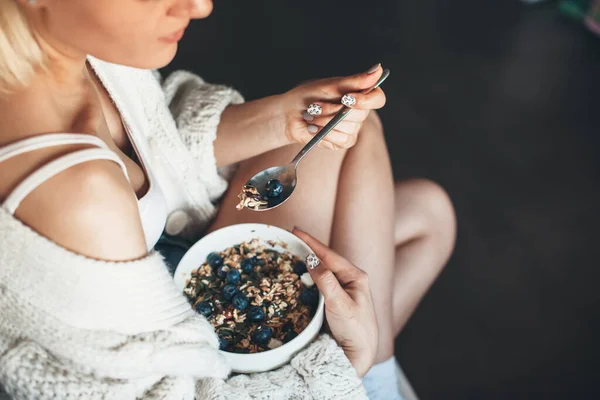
227, 237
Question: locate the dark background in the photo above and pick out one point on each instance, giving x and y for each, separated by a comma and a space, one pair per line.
498, 103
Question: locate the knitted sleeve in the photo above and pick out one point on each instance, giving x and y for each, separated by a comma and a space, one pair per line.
197, 107
320, 372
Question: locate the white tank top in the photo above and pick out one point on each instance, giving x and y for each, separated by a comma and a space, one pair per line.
152, 206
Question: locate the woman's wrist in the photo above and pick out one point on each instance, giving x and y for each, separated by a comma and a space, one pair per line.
278, 114
362, 366
265, 116
250, 129
361, 360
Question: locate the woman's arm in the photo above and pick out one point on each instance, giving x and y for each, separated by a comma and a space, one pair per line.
215, 117
247, 130
250, 129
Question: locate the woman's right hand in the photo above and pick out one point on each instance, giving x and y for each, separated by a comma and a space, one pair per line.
348, 304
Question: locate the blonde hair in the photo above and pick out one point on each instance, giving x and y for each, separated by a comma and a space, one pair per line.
20, 53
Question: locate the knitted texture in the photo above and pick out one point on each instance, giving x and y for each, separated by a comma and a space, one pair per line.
76, 327
181, 140
321, 371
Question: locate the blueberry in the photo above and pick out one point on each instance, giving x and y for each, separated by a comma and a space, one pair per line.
289, 336
233, 276
240, 301
310, 296
214, 259
288, 326
256, 314
204, 308
223, 343
229, 291
300, 268
222, 271
262, 335
248, 265
274, 188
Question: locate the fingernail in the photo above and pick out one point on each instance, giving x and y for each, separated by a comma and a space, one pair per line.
312, 261
374, 68
312, 128
307, 116
299, 229
348, 100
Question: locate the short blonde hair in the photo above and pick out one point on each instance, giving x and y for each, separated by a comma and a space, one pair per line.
20, 54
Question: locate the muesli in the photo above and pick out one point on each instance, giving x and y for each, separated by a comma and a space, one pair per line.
257, 298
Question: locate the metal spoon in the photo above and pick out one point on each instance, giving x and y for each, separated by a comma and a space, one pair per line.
286, 174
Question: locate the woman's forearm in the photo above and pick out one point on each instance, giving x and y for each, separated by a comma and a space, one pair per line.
249, 129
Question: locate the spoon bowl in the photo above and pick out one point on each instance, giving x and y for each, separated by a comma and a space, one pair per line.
286, 174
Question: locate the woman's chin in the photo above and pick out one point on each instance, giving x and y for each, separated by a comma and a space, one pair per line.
160, 58
166, 57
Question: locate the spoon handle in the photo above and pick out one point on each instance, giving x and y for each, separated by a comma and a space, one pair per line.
343, 113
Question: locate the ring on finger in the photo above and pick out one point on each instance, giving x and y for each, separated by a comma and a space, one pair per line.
314, 109
348, 100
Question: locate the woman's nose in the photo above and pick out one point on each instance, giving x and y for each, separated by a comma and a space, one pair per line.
192, 9
201, 8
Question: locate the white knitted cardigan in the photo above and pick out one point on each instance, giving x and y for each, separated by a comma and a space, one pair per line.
75, 327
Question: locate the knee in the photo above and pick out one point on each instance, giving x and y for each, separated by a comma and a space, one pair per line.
437, 212
371, 141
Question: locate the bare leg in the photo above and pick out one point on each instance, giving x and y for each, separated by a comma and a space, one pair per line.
310, 208
345, 199
425, 236
362, 227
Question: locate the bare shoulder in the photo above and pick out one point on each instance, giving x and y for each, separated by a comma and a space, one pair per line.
89, 209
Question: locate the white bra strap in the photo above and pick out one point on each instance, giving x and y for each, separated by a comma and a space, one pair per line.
47, 140
44, 173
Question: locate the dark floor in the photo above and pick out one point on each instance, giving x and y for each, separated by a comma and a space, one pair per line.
497, 102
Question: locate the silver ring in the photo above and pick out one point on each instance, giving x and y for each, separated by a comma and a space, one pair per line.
314, 110
348, 100
312, 261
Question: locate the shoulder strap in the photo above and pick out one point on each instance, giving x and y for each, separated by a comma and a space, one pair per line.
47, 140
12, 202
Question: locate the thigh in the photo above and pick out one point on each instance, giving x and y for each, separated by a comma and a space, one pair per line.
311, 207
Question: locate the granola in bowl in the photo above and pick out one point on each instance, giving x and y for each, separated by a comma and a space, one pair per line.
257, 298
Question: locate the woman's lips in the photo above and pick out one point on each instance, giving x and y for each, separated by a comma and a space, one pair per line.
174, 37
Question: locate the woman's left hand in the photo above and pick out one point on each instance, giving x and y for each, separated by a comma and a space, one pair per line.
300, 127
256, 127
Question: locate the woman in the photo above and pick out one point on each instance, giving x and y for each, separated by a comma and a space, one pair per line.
99, 157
